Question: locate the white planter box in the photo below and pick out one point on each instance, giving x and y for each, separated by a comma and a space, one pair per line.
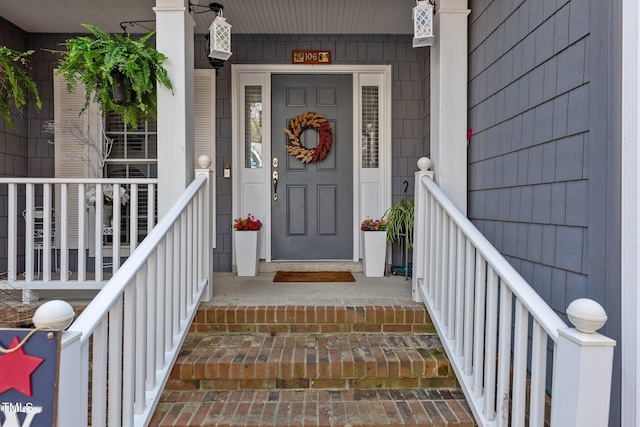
375, 248
246, 249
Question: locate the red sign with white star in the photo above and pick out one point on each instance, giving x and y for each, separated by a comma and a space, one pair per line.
28, 377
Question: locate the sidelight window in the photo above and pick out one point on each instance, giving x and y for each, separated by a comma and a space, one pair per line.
370, 127
253, 127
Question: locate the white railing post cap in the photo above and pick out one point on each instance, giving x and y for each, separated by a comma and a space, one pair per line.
204, 161
424, 163
586, 315
55, 314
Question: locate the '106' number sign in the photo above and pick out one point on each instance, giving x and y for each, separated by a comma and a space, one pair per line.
311, 57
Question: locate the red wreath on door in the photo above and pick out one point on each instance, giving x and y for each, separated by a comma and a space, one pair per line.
299, 124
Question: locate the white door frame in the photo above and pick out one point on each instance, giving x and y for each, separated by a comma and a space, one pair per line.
251, 188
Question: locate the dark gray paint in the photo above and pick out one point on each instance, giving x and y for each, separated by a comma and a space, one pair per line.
544, 110
311, 218
518, 52
14, 151
410, 104
410, 109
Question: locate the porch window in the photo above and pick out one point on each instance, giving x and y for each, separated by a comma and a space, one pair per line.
134, 154
253, 127
370, 127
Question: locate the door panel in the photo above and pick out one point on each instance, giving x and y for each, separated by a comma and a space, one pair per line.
312, 215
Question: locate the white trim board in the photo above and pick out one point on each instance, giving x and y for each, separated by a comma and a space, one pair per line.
630, 225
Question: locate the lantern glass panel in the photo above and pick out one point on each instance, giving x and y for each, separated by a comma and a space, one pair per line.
423, 20
423, 24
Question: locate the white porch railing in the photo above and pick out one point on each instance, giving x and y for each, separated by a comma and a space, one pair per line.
83, 243
500, 336
117, 356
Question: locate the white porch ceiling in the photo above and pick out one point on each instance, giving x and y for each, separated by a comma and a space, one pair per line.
246, 16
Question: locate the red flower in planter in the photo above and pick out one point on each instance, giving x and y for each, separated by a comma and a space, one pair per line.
248, 223
373, 225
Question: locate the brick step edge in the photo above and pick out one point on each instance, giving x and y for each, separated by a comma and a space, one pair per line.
309, 361
312, 384
314, 408
330, 319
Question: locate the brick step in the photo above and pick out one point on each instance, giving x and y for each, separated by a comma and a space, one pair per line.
311, 361
409, 317
313, 408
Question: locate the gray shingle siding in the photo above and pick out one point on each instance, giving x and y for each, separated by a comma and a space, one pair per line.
410, 129
530, 99
552, 65
14, 151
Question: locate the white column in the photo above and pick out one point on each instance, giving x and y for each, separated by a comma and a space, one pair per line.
449, 100
174, 38
630, 273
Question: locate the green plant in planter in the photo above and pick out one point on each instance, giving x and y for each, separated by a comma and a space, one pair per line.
108, 63
15, 83
400, 221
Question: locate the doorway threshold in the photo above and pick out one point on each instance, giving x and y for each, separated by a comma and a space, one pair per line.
310, 265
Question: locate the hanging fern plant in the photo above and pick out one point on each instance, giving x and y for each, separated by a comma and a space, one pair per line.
15, 83
107, 63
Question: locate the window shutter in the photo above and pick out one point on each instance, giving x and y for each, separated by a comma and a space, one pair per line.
204, 83
74, 157
204, 113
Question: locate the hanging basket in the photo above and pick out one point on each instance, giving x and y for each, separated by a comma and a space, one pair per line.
119, 92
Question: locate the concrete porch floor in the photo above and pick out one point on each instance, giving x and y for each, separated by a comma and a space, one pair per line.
229, 289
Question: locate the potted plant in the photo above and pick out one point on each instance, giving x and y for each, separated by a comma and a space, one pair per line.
15, 83
118, 72
375, 246
400, 218
245, 239
400, 222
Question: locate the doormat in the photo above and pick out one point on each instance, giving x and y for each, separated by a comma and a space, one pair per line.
314, 276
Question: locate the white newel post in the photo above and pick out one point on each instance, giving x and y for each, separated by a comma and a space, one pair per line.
71, 411
449, 100
207, 230
420, 228
582, 370
174, 38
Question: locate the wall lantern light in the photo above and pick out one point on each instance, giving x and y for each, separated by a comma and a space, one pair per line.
218, 44
219, 35
423, 23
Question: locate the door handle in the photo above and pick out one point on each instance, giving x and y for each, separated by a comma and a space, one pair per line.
275, 185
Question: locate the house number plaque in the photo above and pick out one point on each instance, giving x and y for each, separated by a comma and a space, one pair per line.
311, 57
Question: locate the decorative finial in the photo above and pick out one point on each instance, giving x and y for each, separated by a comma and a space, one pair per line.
424, 163
586, 315
204, 161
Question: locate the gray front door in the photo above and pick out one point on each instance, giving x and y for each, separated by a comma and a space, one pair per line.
312, 216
